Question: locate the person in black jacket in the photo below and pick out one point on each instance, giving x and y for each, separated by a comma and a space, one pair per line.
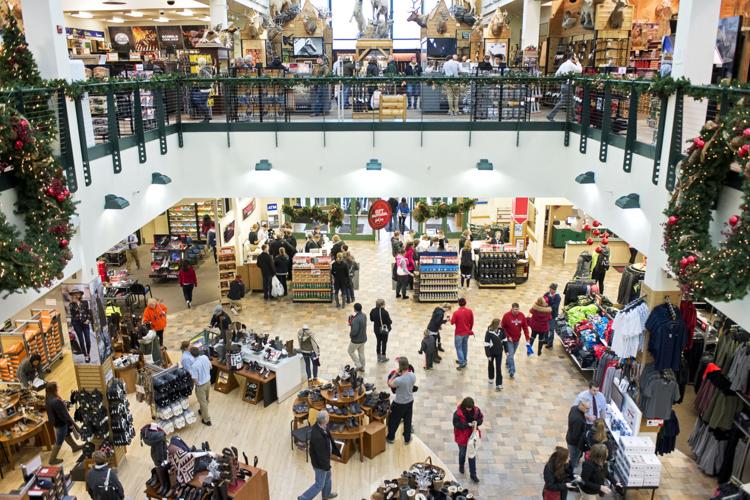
340, 273
576, 431
485, 65
290, 245
413, 88
58, 416
265, 263
557, 474
281, 264
236, 293
494, 343
437, 320
338, 243
393, 203
221, 320
320, 448
275, 243
595, 474
381, 323
101, 481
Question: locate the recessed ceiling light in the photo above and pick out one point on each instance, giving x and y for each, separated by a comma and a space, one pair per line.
113, 2
206, 19
135, 13
116, 20
83, 15
185, 13
162, 19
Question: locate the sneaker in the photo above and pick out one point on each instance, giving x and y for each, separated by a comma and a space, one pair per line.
389, 441
405, 297
189, 305
490, 381
499, 387
440, 349
206, 423
331, 495
512, 375
461, 469
427, 367
475, 479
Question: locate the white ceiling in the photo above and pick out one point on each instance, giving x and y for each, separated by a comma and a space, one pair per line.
97, 5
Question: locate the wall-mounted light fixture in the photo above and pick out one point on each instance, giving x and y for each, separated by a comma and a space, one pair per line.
114, 202
631, 200
485, 164
586, 178
263, 165
374, 164
157, 178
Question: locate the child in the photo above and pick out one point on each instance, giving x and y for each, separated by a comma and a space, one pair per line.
428, 349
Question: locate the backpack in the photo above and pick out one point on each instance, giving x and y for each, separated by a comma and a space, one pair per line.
107, 492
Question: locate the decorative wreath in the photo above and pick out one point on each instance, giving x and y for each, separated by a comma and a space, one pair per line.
333, 215
34, 258
422, 211
704, 270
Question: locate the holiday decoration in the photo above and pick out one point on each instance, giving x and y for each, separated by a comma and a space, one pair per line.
596, 232
605, 241
332, 215
589, 241
422, 211
598, 250
708, 271
733, 220
698, 143
596, 223
746, 132
587, 227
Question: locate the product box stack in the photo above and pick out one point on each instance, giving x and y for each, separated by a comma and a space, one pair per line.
50, 484
636, 464
14, 355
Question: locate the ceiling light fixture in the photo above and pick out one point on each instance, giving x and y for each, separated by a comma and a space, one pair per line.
135, 13
485, 164
263, 166
186, 13
83, 14
157, 178
205, 19
374, 164
631, 200
586, 178
114, 202
116, 20
113, 2
162, 19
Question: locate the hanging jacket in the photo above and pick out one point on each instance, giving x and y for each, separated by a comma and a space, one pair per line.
462, 420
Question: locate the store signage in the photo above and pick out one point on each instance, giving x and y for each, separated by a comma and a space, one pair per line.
170, 37
379, 214
272, 207
122, 38
249, 209
191, 35
520, 210
77, 32
144, 38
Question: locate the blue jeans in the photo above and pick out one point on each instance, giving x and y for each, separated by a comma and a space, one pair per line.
200, 102
60, 434
462, 461
551, 333
347, 92
509, 360
310, 364
462, 348
319, 96
412, 93
322, 483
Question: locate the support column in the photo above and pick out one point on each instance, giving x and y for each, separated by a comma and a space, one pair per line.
530, 23
41, 21
219, 12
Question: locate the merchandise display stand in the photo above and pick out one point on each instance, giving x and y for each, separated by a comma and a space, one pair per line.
175, 414
47, 482
19, 423
496, 268
227, 270
437, 277
185, 220
312, 278
352, 436
254, 488
41, 334
166, 255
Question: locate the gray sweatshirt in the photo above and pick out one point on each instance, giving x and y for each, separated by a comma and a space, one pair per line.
358, 329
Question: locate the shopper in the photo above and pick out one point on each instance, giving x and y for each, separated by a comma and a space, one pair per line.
102, 482
236, 293
411, 265
598, 434
263, 234
382, 325
267, 270
393, 203
320, 91
553, 300
437, 320
486, 64
466, 258
557, 476
541, 314
402, 382
281, 265
403, 213
396, 243
494, 344
513, 323
429, 349
465, 236
413, 89
596, 401
211, 241
357, 337
402, 275
188, 281
451, 69
336, 248
320, 447
131, 251
200, 371
155, 314
576, 432
340, 273
308, 346
221, 320
595, 474
352, 266
463, 320
252, 237
571, 66
58, 416
442, 240
29, 370
466, 420
80, 318
186, 359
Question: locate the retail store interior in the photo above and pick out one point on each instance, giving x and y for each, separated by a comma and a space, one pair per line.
423, 250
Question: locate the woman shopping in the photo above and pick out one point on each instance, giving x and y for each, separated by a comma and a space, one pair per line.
595, 474
188, 282
467, 264
403, 213
310, 350
466, 420
381, 323
494, 344
58, 416
541, 314
557, 475
340, 273
402, 275
281, 263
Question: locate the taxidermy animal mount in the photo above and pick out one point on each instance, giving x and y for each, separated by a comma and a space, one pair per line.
588, 13
442, 26
310, 23
617, 16
379, 8
416, 14
569, 20
358, 16
500, 20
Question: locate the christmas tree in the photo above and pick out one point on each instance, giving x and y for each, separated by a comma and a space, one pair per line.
17, 66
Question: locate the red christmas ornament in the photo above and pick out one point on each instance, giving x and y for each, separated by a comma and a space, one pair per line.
744, 150
683, 262
49, 192
63, 243
605, 241
19, 145
60, 197
672, 220
746, 132
596, 223
24, 123
587, 227
598, 250
596, 232
691, 259
733, 220
589, 241
699, 143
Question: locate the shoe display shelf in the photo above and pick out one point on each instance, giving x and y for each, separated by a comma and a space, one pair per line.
312, 278
436, 278
40, 334
496, 268
227, 271
352, 425
167, 392
166, 255
422, 480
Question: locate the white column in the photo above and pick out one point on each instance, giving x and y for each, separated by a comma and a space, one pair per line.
218, 12
41, 21
698, 21
530, 23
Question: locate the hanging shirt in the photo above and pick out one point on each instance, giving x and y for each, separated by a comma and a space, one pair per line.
668, 336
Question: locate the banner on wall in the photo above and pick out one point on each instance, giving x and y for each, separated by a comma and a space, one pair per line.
191, 35
249, 209
121, 38
170, 37
379, 214
145, 39
88, 329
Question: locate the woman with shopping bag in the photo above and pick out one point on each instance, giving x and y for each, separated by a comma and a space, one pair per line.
466, 421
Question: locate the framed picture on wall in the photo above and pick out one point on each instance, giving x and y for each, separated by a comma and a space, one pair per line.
229, 232
248, 209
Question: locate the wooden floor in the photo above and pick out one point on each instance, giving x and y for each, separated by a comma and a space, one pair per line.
522, 424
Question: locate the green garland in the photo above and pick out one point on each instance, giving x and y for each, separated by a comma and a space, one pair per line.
706, 271
422, 211
333, 216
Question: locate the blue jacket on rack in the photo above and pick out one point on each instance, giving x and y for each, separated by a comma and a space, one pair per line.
668, 336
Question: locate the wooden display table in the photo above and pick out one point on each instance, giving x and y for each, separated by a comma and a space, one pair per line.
225, 381
266, 386
41, 428
255, 488
350, 436
128, 375
374, 439
619, 251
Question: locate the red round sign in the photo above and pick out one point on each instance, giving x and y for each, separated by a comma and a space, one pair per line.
379, 214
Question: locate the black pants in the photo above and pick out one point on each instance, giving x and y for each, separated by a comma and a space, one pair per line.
494, 365
466, 275
267, 280
400, 412
282, 280
382, 342
187, 292
402, 284
462, 461
83, 336
542, 340
429, 358
160, 334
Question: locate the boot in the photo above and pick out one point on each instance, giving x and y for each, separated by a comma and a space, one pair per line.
337, 300
53, 460
73, 445
163, 481
154, 480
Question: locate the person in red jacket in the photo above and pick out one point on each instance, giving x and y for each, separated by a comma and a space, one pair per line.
463, 319
188, 281
541, 315
513, 323
466, 419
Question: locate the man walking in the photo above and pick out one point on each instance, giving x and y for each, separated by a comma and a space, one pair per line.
131, 251
513, 323
320, 448
576, 432
452, 90
267, 270
102, 482
463, 319
437, 320
402, 382
571, 66
358, 337
553, 300
200, 370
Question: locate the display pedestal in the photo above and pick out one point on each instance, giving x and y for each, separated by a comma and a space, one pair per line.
128, 376
255, 488
225, 381
374, 439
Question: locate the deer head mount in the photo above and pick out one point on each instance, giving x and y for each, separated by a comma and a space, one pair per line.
416, 13
310, 23
499, 21
442, 26
253, 26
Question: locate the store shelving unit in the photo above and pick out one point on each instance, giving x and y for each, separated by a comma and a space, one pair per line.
513, 99
185, 219
227, 269
40, 334
312, 278
496, 268
166, 255
437, 277
98, 108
